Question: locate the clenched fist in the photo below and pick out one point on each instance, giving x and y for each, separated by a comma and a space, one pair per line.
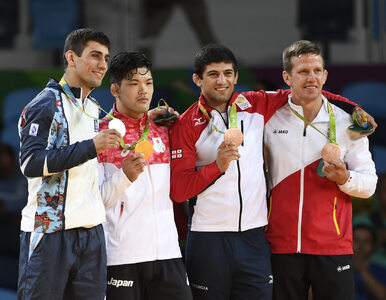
107, 139
133, 166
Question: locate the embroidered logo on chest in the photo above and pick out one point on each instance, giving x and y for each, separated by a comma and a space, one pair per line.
198, 121
158, 145
280, 131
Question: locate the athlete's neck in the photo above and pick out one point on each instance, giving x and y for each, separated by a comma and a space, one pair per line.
73, 81
310, 107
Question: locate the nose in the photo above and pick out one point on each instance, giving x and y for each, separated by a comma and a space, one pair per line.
142, 89
103, 64
221, 79
311, 76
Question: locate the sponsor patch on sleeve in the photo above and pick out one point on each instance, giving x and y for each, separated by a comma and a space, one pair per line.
33, 130
96, 126
177, 153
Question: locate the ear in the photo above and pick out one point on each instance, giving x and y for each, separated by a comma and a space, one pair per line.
286, 77
70, 57
114, 89
325, 76
197, 80
236, 77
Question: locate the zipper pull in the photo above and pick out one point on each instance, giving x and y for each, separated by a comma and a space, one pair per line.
121, 212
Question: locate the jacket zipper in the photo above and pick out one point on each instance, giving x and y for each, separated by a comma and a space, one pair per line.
117, 228
240, 197
238, 172
334, 216
300, 214
242, 130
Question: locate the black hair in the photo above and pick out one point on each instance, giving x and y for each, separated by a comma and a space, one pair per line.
213, 53
124, 65
296, 49
78, 39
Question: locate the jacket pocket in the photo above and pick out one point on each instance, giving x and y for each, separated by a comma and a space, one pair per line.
334, 216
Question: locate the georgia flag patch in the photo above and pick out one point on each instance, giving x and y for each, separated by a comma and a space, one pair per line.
176, 153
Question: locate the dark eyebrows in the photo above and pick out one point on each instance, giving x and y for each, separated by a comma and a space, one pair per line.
134, 79
99, 53
216, 71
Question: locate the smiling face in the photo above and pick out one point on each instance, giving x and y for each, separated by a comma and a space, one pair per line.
217, 84
87, 70
306, 77
133, 96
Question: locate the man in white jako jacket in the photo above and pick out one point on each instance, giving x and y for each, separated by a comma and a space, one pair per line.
143, 255
310, 219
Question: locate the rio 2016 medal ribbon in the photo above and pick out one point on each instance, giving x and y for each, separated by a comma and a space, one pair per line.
142, 145
233, 133
331, 151
357, 128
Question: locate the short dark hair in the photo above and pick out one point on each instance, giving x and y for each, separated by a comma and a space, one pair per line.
296, 49
213, 53
124, 64
78, 39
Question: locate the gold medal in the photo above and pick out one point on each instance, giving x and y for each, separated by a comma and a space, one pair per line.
144, 147
234, 135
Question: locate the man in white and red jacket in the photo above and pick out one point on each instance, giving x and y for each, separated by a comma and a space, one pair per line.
310, 219
227, 255
143, 254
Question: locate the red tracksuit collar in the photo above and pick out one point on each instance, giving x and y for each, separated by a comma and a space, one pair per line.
129, 121
209, 109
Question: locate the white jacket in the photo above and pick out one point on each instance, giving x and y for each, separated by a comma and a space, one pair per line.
140, 221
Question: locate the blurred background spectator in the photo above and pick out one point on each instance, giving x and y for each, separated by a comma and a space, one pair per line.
369, 274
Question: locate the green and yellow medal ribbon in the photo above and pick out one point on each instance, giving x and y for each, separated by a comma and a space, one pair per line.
71, 96
144, 136
232, 117
332, 132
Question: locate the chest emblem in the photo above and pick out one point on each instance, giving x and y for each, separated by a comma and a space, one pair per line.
158, 145
199, 121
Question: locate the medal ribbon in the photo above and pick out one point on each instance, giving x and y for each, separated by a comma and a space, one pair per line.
332, 131
355, 117
144, 136
166, 114
232, 117
72, 98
